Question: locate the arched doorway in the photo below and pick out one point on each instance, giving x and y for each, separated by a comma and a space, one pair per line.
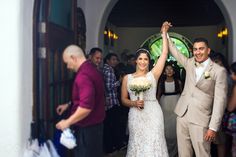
227, 49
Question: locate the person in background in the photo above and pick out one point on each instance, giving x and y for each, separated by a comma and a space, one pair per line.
169, 90
120, 71
220, 59
88, 99
123, 55
95, 56
131, 64
222, 139
112, 133
231, 107
201, 105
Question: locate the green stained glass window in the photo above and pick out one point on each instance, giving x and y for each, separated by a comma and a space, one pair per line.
154, 44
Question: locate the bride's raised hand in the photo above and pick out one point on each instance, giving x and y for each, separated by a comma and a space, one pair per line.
158, 68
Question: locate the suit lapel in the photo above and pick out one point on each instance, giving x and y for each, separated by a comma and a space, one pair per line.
193, 72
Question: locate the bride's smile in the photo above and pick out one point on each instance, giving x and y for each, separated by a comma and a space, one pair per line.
143, 62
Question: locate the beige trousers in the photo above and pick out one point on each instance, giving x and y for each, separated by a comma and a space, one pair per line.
190, 138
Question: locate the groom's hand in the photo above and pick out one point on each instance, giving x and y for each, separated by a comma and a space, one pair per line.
210, 135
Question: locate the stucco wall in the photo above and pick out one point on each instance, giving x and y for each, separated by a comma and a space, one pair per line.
96, 14
228, 9
16, 76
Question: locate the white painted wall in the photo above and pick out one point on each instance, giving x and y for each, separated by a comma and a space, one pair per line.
228, 8
96, 13
26, 70
16, 76
93, 11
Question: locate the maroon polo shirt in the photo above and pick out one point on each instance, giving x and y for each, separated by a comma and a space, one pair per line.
88, 92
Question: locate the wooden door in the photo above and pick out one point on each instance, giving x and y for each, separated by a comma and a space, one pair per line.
54, 29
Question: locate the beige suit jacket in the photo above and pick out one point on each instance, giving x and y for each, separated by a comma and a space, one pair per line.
204, 100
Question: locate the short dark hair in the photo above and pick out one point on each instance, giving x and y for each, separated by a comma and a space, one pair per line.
129, 57
93, 50
219, 56
201, 39
233, 67
108, 57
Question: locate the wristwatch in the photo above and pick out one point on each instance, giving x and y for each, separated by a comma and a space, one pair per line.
69, 103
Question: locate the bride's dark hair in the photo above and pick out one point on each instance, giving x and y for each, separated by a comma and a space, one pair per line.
142, 50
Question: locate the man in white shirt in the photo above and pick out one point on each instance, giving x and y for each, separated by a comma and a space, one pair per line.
202, 102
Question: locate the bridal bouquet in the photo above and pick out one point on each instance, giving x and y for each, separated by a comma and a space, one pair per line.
139, 85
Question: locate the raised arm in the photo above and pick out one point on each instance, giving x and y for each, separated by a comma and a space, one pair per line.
174, 51
157, 69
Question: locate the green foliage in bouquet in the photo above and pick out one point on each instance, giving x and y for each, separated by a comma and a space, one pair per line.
139, 84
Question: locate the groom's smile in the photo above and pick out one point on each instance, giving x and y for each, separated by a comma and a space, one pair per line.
200, 51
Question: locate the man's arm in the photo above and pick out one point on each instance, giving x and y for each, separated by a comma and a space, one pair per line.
84, 102
110, 80
220, 99
62, 108
78, 115
176, 53
219, 104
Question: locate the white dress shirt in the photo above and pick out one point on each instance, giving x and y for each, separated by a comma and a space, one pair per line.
201, 68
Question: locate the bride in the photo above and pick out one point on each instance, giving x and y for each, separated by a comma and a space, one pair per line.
145, 122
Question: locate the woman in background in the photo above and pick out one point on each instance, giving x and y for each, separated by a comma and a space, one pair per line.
231, 107
223, 140
169, 90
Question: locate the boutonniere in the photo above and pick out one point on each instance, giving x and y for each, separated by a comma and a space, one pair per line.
207, 75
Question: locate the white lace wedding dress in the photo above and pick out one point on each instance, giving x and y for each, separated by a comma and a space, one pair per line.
146, 126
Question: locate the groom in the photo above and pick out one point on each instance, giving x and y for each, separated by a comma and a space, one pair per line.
203, 100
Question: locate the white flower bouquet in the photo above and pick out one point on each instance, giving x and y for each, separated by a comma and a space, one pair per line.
140, 85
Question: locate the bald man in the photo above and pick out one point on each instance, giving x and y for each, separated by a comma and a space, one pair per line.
87, 111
